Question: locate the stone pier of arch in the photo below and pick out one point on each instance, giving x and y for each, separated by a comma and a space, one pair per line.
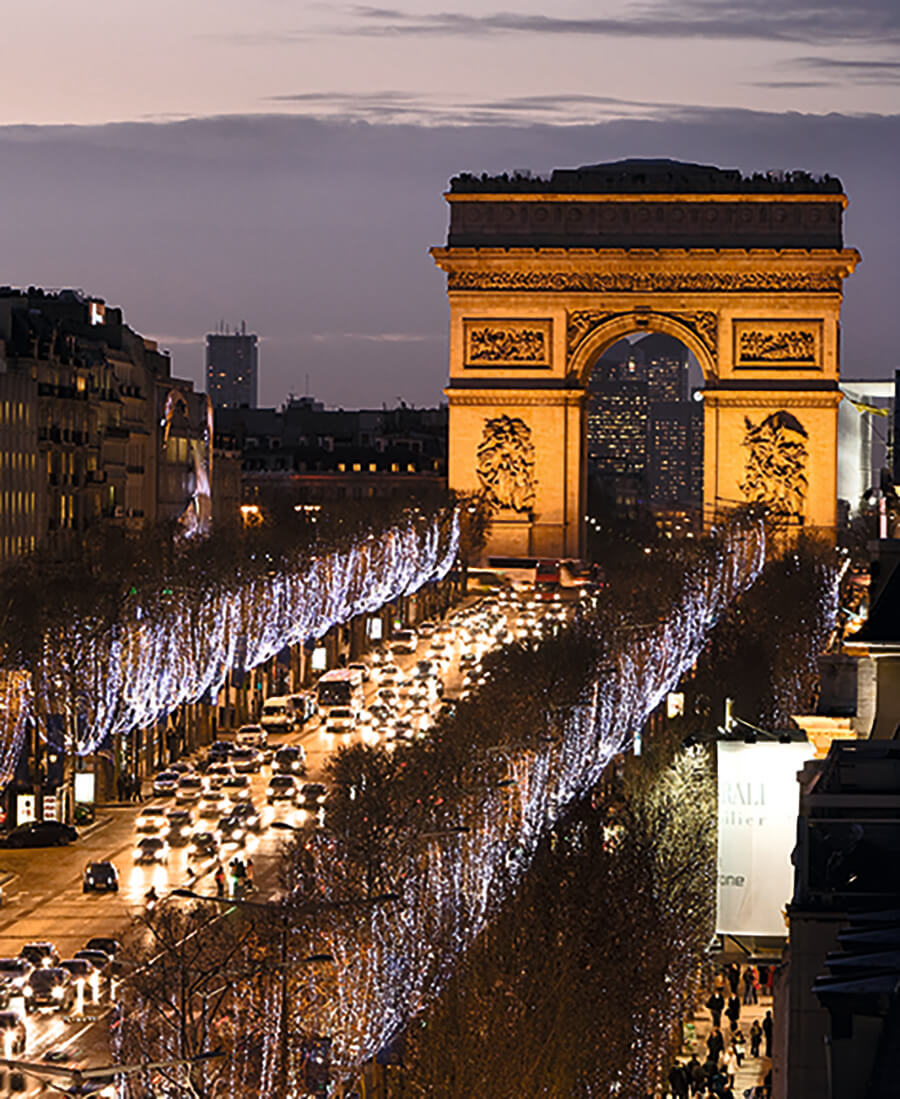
544, 275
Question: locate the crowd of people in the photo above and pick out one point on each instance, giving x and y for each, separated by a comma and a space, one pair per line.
726, 1049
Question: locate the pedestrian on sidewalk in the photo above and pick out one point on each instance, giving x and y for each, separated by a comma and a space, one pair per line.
750, 980
716, 1004
755, 1038
678, 1082
120, 786
739, 1046
734, 976
220, 881
695, 1075
767, 1032
733, 1011
731, 1066
715, 1044
248, 871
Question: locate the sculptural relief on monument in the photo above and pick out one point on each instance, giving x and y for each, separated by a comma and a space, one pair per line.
775, 473
491, 343
505, 463
794, 344
704, 325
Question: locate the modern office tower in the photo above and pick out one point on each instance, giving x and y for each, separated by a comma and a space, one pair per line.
645, 437
232, 362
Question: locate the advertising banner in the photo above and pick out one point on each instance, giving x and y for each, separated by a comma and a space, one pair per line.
758, 805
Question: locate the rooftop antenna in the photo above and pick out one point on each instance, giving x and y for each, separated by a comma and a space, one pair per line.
306, 391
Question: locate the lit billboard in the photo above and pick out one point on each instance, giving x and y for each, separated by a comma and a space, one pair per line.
758, 806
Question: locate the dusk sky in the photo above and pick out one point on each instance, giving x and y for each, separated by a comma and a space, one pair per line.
282, 163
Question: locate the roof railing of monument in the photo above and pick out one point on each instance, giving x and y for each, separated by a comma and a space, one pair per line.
655, 179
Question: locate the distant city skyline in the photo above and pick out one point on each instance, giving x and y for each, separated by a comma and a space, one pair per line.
225, 185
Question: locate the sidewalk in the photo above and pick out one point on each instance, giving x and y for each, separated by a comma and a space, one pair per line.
698, 1026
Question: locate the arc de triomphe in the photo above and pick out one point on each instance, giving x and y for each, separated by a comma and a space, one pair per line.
544, 275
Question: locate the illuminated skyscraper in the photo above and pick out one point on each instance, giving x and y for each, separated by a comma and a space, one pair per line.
231, 368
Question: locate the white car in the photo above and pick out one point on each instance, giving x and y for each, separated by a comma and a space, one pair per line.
404, 641
250, 736
340, 719
188, 790
165, 783
152, 821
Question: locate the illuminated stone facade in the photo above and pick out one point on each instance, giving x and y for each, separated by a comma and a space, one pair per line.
544, 275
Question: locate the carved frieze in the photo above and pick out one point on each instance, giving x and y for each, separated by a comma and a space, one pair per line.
775, 472
766, 344
704, 325
505, 463
507, 343
729, 282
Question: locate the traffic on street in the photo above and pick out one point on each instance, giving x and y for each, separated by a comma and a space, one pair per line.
216, 823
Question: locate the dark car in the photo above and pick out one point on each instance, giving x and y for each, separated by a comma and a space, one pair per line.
40, 833
42, 955
290, 760
181, 824
100, 876
232, 830
219, 751
98, 959
14, 972
248, 815
281, 788
12, 1032
110, 947
245, 760
312, 795
203, 846
53, 988
79, 969
151, 849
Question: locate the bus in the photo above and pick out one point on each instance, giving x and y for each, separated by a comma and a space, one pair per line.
338, 688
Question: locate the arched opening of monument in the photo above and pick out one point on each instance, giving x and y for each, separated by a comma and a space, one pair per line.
644, 443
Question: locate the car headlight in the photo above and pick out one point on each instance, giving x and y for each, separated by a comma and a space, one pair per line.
28, 990
138, 852
185, 831
57, 993
237, 833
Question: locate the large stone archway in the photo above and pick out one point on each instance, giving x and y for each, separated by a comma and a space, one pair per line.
543, 275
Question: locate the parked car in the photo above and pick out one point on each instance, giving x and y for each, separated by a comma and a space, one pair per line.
100, 877
12, 1033
281, 788
151, 849
40, 833
165, 784
290, 760
41, 954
